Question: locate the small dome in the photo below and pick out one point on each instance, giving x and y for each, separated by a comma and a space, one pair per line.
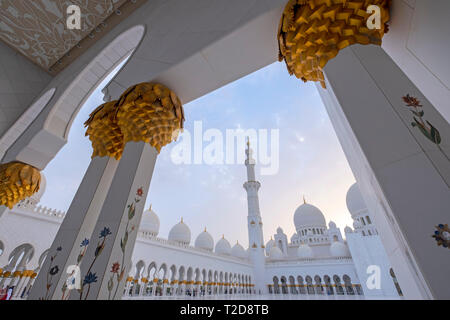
275, 253
308, 215
238, 251
269, 246
205, 241
150, 222
304, 251
332, 225
339, 249
223, 247
180, 233
348, 229
279, 230
294, 238
355, 201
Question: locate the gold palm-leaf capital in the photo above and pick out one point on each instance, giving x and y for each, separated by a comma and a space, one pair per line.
18, 181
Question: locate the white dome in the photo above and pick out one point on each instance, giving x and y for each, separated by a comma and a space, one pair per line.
332, 225
294, 238
238, 251
339, 249
205, 241
348, 229
308, 216
180, 233
223, 247
355, 201
275, 253
305, 251
149, 222
269, 246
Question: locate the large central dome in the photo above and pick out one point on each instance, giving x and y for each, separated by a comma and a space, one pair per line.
308, 216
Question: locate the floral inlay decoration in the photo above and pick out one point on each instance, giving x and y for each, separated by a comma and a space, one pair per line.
442, 235
425, 127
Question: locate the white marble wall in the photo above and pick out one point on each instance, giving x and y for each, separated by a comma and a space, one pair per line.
320, 267
179, 256
369, 251
27, 226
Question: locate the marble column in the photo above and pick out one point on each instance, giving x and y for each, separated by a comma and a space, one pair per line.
75, 231
127, 288
3, 209
399, 155
106, 262
20, 284
141, 288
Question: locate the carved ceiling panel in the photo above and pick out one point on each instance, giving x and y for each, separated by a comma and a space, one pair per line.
38, 30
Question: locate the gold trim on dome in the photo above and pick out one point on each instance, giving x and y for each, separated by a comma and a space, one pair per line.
311, 32
18, 181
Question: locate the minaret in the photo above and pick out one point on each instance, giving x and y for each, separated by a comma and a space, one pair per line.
255, 231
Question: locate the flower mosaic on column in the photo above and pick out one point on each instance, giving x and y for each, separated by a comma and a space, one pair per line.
116, 266
427, 129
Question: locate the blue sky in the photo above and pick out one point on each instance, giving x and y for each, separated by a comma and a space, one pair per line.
312, 163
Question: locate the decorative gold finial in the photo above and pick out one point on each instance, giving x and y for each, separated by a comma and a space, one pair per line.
205, 229
223, 236
248, 142
304, 200
181, 219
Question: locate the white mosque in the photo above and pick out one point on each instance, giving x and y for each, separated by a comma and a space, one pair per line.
317, 261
